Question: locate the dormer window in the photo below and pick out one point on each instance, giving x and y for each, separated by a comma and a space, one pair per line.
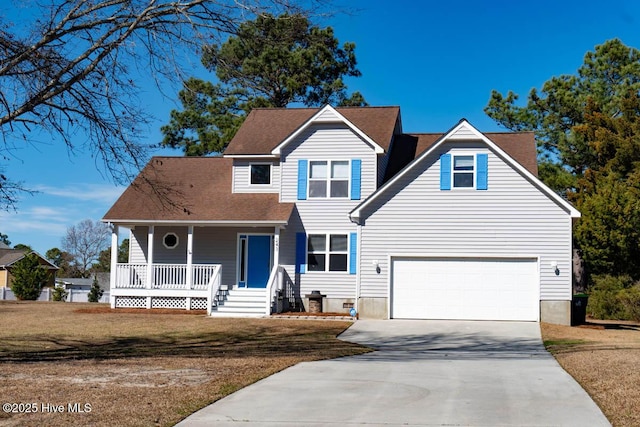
260, 174
463, 170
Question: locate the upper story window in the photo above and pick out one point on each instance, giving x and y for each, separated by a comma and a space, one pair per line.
260, 174
463, 171
329, 179
323, 179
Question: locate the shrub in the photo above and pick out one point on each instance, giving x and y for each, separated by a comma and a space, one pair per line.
29, 277
59, 293
96, 292
612, 297
630, 299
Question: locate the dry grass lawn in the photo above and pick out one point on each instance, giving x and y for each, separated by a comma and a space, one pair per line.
604, 357
141, 368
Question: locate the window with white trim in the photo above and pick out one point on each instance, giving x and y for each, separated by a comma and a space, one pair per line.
463, 171
260, 174
329, 179
327, 252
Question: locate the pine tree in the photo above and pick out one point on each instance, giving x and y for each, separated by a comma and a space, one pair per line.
96, 291
29, 277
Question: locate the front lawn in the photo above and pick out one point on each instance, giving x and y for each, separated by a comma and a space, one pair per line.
604, 357
141, 367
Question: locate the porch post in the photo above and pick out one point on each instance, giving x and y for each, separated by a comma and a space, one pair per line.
150, 262
114, 264
276, 246
189, 263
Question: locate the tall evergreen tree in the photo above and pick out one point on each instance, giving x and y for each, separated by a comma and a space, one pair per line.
588, 130
29, 277
273, 61
608, 193
608, 73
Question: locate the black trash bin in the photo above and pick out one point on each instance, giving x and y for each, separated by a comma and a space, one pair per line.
579, 309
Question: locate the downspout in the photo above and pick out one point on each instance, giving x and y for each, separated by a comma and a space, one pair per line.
358, 267
356, 221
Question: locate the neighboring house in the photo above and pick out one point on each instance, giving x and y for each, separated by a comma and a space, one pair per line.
84, 284
341, 201
8, 258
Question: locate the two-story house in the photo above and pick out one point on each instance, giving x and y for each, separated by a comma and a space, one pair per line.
341, 201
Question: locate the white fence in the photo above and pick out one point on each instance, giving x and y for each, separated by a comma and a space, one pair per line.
75, 295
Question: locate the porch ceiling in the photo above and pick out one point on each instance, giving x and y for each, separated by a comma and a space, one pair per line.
191, 190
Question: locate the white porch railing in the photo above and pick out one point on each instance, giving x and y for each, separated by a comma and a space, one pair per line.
170, 276
164, 276
202, 274
170, 286
274, 284
214, 288
133, 276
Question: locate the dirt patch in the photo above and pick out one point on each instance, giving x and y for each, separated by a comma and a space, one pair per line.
604, 357
141, 368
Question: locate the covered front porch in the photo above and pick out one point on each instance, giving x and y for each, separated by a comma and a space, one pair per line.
227, 270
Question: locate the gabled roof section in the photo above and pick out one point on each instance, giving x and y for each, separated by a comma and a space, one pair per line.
521, 146
465, 131
8, 257
193, 190
328, 115
265, 129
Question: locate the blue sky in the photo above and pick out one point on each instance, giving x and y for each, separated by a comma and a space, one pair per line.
438, 61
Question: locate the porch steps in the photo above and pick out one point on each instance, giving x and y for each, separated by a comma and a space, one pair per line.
240, 302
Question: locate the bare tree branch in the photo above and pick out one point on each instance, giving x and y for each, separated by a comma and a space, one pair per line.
74, 70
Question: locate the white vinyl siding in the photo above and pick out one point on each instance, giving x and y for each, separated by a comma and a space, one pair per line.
512, 217
323, 142
138, 245
242, 176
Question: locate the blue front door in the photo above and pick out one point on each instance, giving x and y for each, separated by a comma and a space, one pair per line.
255, 265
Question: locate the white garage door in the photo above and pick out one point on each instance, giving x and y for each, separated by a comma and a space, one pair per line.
465, 289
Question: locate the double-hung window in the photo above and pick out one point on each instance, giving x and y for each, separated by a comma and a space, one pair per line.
327, 252
463, 171
329, 179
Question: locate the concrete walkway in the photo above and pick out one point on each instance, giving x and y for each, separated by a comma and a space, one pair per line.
424, 373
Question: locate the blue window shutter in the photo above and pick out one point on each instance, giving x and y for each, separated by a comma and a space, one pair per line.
482, 161
353, 252
445, 172
301, 253
356, 174
302, 179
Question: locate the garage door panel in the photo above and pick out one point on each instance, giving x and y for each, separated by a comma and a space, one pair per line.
467, 289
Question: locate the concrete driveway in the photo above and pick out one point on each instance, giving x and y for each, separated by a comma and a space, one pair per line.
424, 373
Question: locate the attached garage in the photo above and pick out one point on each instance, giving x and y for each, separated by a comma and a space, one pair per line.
465, 288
